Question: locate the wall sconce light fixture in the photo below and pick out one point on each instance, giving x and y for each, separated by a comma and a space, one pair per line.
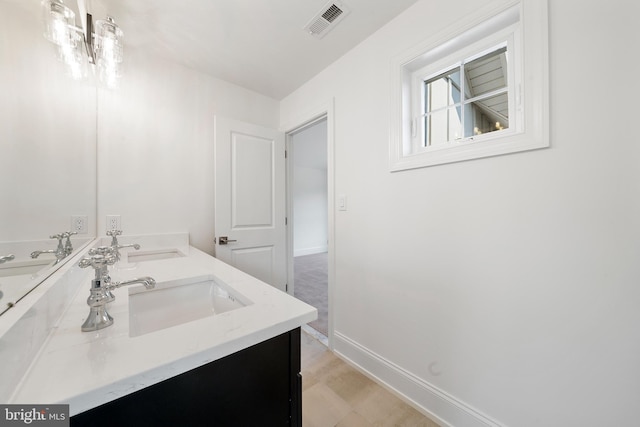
102, 48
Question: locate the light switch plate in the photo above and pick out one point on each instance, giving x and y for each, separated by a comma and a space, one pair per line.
342, 202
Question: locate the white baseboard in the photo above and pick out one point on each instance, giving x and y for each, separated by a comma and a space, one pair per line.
309, 251
439, 405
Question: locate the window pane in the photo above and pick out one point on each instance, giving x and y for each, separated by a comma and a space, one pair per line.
454, 84
438, 128
486, 115
443, 126
487, 73
455, 95
439, 92
455, 124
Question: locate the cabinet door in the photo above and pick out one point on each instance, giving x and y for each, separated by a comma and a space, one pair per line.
257, 386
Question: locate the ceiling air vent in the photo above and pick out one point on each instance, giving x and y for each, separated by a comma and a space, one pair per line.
325, 20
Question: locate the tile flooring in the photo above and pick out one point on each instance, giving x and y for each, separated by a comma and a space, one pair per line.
336, 395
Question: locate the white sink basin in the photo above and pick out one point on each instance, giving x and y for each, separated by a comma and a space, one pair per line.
176, 302
153, 255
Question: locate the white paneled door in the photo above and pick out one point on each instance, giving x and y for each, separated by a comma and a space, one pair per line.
250, 200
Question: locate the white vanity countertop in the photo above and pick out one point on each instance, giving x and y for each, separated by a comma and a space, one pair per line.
87, 369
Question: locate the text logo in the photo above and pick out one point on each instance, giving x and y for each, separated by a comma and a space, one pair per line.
34, 415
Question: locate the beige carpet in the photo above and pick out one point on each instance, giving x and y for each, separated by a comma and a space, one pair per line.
310, 286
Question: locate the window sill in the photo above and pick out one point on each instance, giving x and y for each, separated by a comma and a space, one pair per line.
469, 150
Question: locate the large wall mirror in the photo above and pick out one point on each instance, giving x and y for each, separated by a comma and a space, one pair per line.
47, 153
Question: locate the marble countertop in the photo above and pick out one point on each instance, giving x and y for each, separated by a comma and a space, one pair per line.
87, 369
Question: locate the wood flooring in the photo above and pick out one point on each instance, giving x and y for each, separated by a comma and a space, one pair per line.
334, 394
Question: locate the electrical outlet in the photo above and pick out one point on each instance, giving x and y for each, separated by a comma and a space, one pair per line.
80, 224
113, 222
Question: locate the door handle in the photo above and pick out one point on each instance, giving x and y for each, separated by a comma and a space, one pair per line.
223, 240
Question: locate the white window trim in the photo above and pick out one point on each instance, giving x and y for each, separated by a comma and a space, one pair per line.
530, 99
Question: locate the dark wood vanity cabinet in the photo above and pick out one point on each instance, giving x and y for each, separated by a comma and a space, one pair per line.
258, 386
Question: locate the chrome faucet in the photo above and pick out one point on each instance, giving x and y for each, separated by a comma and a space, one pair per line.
103, 271
116, 245
101, 285
6, 258
59, 252
68, 247
148, 282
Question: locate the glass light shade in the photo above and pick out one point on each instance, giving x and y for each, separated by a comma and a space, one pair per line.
108, 52
108, 42
58, 20
108, 76
75, 56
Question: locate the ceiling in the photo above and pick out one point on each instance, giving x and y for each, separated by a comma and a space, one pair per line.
256, 44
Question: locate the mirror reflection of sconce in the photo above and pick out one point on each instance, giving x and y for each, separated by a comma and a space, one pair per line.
102, 48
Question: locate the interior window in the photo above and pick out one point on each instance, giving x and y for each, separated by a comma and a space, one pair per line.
469, 100
481, 93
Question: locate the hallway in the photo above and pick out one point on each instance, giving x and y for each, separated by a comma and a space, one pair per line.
310, 286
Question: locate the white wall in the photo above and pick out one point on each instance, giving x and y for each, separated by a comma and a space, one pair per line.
509, 290
47, 133
155, 145
509, 293
309, 158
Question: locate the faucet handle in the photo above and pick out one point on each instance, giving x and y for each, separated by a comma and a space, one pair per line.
6, 258
97, 261
102, 250
114, 236
68, 247
60, 250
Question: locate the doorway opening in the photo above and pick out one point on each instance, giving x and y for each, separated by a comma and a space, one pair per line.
309, 211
